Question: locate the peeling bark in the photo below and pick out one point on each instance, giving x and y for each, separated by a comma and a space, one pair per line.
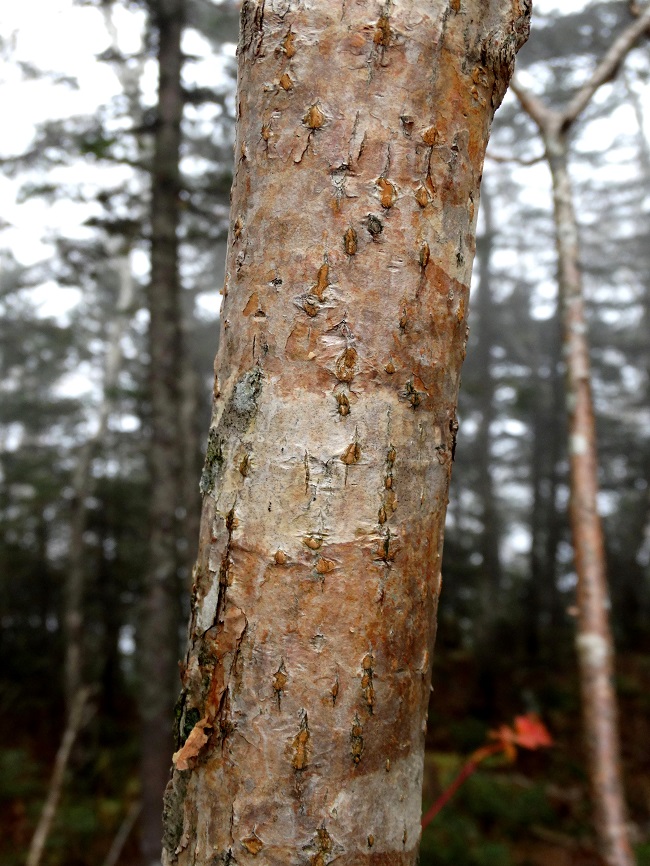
344, 326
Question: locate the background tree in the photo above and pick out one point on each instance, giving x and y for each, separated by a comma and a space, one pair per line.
594, 640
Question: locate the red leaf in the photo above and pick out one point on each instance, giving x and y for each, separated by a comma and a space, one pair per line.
529, 732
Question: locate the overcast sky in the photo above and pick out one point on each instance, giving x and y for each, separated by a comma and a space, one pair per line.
58, 37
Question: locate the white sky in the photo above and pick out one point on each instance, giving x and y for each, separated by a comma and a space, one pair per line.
59, 37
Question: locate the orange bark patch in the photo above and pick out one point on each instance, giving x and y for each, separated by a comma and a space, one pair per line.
430, 135
193, 744
252, 306
314, 118
344, 404
356, 740
382, 32
422, 196
352, 454
366, 681
322, 281
324, 844
301, 746
324, 566
387, 192
301, 343
285, 82
350, 241
346, 365
288, 45
280, 679
245, 465
253, 844
313, 542
310, 305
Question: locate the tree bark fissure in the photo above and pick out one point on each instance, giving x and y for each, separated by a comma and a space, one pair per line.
360, 144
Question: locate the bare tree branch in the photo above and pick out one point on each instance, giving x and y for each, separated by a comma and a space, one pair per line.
534, 107
549, 120
74, 725
113, 856
606, 69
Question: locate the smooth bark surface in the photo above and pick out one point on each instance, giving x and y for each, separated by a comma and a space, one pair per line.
594, 639
361, 136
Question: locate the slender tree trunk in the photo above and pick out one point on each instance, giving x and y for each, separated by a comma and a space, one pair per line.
487, 615
84, 484
543, 600
594, 638
123, 833
158, 639
361, 136
192, 438
490, 575
73, 726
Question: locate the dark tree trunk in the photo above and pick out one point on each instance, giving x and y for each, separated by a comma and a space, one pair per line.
158, 640
490, 577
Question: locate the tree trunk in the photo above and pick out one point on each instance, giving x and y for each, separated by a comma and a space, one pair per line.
594, 638
361, 137
84, 485
158, 641
490, 575
543, 602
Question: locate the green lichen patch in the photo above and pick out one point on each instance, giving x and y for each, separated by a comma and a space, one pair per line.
213, 461
247, 390
173, 812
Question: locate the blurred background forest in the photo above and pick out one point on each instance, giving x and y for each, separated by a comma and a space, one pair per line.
76, 447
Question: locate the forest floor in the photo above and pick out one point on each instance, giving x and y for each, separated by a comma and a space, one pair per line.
534, 811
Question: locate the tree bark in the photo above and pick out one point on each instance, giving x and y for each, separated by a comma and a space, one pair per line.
594, 639
360, 144
84, 485
491, 572
158, 641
